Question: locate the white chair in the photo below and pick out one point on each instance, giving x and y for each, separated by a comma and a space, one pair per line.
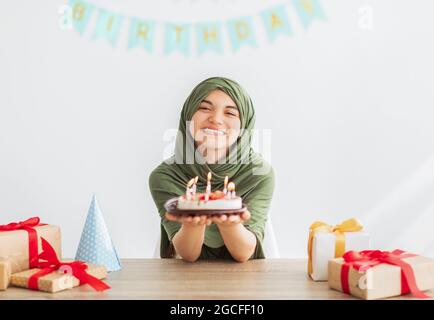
271, 249
156, 254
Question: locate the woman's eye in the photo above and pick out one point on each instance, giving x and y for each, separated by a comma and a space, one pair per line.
204, 108
232, 114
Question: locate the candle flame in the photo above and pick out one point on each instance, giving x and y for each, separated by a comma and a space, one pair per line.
231, 186
195, 179
209, 176
226, 181
190, 183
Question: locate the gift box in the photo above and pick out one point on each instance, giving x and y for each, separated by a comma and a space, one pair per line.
20, 242
327, 242
53, 275
56, 280
5, 274
374, 274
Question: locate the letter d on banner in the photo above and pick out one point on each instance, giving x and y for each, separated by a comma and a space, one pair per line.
241, 32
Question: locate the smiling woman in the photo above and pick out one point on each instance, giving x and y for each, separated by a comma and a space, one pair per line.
216, 123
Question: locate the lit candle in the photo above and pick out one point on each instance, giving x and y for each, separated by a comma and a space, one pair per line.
208, 186
194, 185
188, 191
231, 190
225, 189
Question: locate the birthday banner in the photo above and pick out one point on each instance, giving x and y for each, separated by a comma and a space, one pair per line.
179, 37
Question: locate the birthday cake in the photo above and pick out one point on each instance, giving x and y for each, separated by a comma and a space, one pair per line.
217, 200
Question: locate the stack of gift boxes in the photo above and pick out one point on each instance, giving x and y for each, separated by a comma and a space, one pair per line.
30, 257
341, 255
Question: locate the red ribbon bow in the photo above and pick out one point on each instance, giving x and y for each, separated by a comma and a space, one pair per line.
52, 263
27, 225
367, 259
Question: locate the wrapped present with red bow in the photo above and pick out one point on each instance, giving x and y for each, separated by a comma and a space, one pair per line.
20, 243
5, 273
375, 274
53, 275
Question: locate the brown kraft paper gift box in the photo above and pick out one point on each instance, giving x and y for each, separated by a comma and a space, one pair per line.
56, 281
5, 273
14, 246
383, 280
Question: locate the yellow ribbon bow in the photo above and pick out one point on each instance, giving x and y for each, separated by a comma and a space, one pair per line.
350, 225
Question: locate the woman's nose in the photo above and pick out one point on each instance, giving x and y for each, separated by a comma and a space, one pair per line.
216, 119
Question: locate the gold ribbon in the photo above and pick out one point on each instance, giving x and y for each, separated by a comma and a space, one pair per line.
350, 225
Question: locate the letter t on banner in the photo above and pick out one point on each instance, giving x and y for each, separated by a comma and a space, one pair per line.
177, 38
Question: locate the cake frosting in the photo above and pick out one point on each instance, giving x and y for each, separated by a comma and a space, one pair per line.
217, 201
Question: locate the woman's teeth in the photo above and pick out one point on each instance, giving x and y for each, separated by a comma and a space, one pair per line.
214, 132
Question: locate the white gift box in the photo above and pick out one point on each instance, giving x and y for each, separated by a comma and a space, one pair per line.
323, 250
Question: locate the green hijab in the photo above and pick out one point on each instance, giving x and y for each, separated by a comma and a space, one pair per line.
253, 177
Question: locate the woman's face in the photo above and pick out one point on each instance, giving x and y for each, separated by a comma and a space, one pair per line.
216, 124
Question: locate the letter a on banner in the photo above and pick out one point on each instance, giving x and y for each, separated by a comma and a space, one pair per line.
276, 22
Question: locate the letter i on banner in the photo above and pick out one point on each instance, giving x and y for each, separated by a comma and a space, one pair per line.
177, 38
208, 37
107, 26
276, 22
141, 34
80, 14
241, 32
308, 10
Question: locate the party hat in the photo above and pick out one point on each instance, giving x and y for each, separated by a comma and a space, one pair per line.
96, 245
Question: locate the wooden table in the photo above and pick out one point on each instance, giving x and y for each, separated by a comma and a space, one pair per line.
176, 279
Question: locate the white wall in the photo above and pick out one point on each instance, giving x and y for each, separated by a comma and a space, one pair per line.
351, 113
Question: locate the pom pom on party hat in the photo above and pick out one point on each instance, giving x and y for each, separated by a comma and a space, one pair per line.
96, 245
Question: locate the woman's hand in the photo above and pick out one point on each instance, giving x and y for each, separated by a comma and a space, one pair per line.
231, 219
221, 220
188, 240
239, 241
189, 220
